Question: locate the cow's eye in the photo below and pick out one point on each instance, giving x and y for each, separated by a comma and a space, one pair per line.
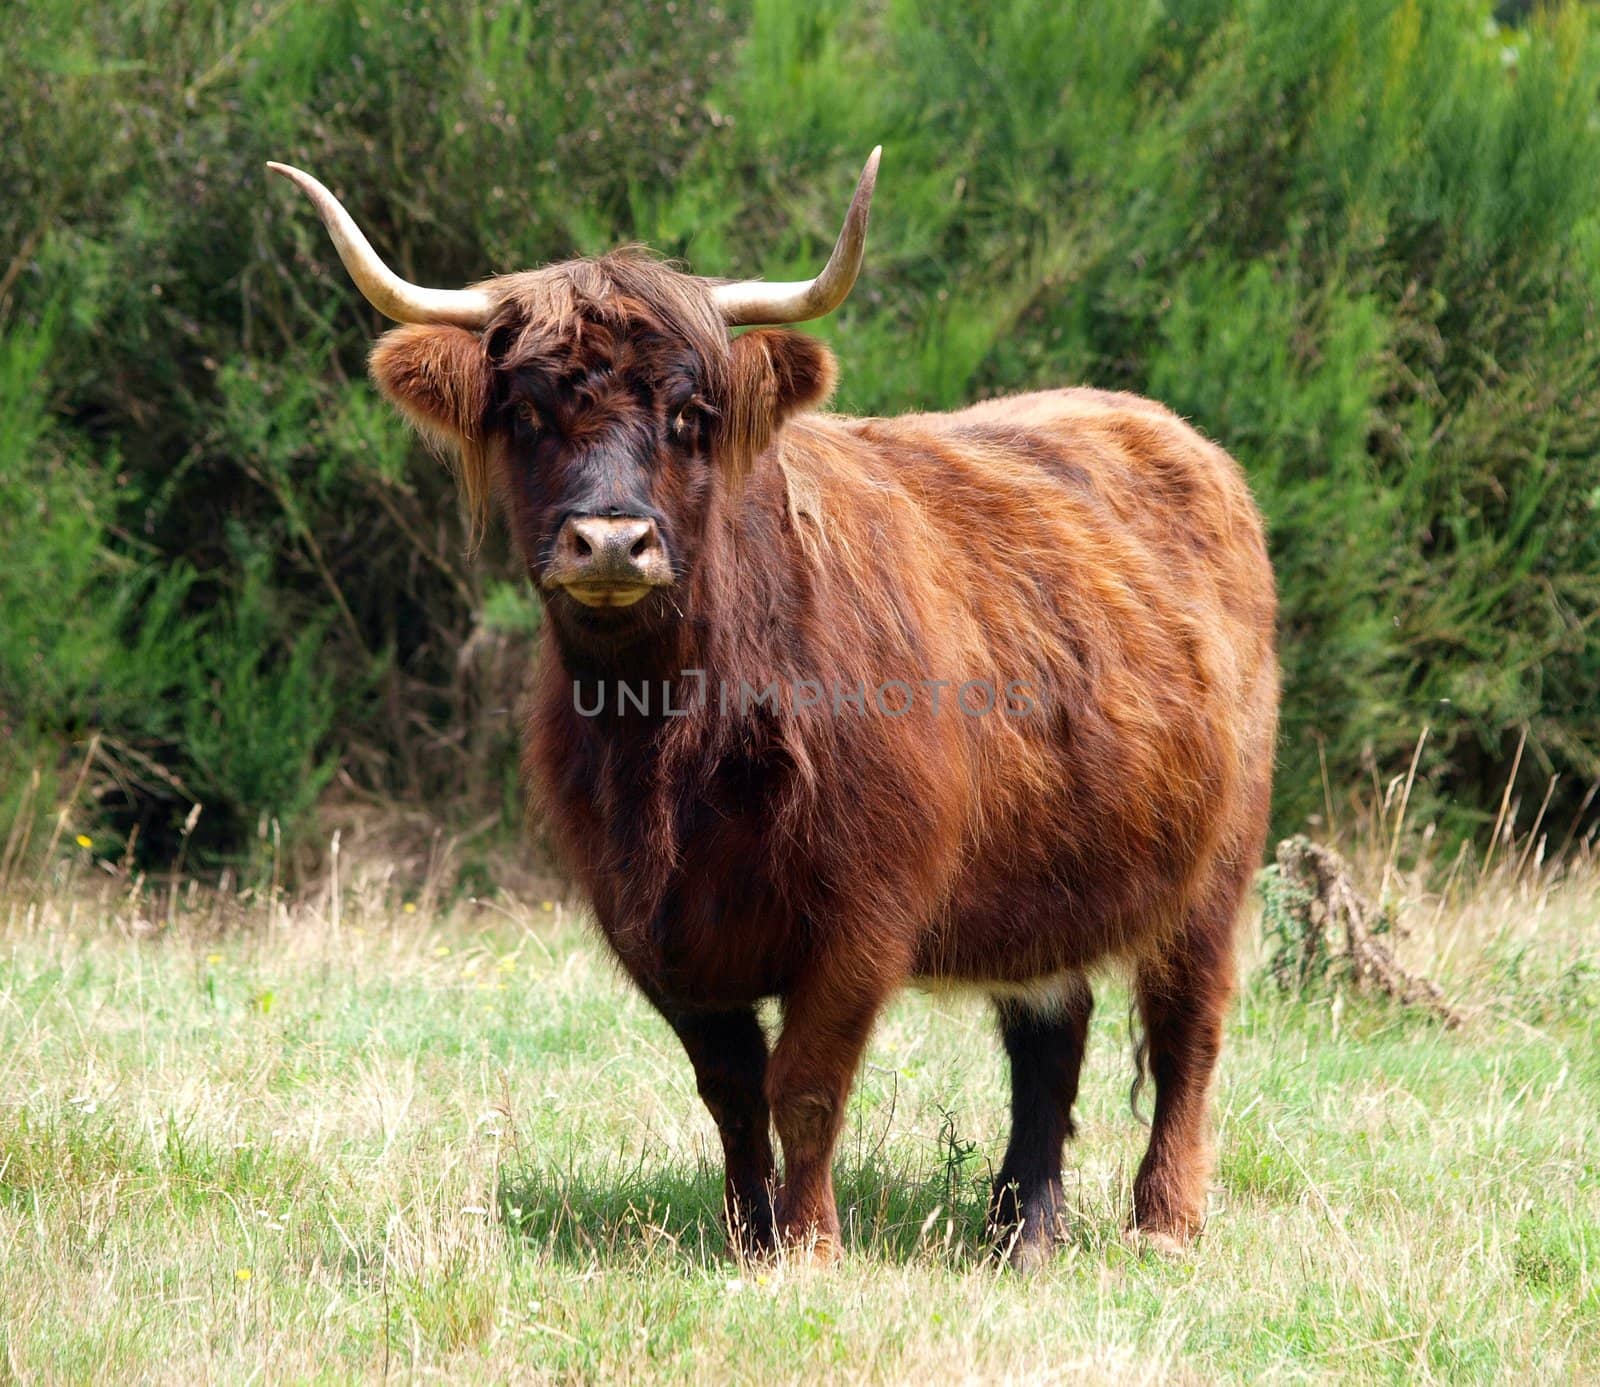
684, 419
529, 417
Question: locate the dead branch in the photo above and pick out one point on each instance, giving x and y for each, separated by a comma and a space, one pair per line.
1336, 923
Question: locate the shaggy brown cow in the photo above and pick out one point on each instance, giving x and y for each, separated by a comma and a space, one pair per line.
827, 705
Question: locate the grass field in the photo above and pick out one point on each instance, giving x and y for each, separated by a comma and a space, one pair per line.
272, 1142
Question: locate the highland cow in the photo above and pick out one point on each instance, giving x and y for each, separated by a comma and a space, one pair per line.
826, 706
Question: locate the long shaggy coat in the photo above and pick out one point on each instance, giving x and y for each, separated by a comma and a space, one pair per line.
1086, 559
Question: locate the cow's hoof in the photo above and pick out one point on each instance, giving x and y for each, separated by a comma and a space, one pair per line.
1026, 1222
751, 1240
1026, 1246
816, 1252
1157, 1240
810, 1243
808, 1237
1025, 1254
745, 1248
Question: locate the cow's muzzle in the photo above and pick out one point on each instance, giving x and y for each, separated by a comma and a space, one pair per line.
608, 561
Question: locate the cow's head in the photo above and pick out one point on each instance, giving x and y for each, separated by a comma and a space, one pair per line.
600, 403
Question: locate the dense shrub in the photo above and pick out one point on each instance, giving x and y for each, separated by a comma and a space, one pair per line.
1355, 240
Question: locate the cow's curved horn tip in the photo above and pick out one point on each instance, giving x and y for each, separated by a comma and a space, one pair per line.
299, 177
868, 182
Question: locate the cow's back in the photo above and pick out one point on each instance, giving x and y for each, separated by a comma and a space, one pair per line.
1095, 549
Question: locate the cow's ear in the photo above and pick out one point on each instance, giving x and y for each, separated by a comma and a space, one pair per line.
775, 374
439, 377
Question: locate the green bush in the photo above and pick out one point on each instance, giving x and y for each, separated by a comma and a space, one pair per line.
93, 634
1354, 240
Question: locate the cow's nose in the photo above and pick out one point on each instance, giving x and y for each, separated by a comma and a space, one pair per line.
614, 560
611, 541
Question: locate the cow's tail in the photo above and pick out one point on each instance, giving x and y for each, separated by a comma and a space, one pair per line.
1140, 1043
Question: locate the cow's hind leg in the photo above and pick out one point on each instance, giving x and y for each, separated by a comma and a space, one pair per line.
729, 1052
1183, 996
1044, 1042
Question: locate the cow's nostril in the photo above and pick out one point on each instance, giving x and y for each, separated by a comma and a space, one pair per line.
643, 544
581, 545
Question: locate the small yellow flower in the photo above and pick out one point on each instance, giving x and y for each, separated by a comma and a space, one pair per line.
213, 958
443, 951
410, 907
507, 964
547, 905
85, 841
243, 1274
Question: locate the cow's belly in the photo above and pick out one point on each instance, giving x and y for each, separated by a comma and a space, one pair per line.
744, 914
1044, 995
1017, 928
733, 930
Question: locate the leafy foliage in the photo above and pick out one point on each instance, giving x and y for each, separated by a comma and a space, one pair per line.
1355, 242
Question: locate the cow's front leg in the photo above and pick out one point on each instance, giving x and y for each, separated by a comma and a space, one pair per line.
826, 1022
729, 1054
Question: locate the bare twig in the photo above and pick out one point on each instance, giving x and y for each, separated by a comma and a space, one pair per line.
72, 799
1505, 803
1400, 818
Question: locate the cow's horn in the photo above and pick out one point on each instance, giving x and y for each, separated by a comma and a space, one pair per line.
385, 290
755, 301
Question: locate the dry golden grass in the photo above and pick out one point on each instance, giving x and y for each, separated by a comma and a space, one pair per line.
347, 1138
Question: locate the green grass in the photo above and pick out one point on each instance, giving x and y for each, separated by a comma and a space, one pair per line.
269, 1144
